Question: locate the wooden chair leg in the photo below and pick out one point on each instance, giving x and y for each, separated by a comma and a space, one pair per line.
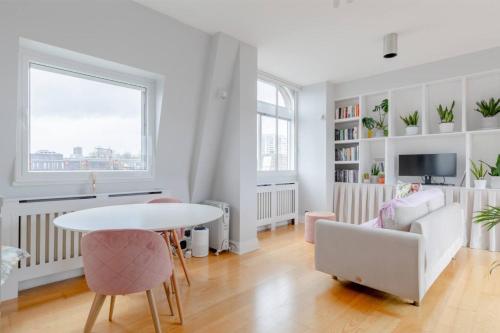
111, 307
167, 294
180, 254
154, 311
94, 311
177, 297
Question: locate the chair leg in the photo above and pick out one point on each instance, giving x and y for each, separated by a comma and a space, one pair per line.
180, 255
94, 311
111, 307
167, 294
154, 311
177, 297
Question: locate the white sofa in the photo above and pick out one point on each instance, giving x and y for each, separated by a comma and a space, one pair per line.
402, 263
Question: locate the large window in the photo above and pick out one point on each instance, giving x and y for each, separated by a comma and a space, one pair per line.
79, 120
275, 127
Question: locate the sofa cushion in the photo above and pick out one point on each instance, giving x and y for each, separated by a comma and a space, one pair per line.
398, 214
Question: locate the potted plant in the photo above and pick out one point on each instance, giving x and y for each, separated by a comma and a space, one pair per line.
494, 173
446, 116
489, 217
378, 124
381, 178
411, 122
489, 110
366, 178
369, 123
375, 173
479, 173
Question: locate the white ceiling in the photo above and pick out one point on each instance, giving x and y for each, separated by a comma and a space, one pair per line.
309, 41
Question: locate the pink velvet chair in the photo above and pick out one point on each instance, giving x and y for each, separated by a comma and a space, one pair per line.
120, 262
175, 236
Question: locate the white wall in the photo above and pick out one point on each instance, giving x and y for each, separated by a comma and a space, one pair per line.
315, 149
447, 68
193, 63
236, 175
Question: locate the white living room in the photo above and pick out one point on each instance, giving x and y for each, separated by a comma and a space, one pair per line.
249, 166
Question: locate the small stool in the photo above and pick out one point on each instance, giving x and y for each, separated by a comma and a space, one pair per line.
311, 218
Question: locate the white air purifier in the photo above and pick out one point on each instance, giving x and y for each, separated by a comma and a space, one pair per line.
199, 241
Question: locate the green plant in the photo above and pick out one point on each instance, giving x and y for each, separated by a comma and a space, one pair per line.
445, 114
494, 170
488, 109
382, 109
411, 119
366, 175
375, 170
478, 171
489, 217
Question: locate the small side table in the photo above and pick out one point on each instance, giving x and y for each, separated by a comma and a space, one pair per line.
310, 221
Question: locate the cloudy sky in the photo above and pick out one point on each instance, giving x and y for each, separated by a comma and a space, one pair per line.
67, 112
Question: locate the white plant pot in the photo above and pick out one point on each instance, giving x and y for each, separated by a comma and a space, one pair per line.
495, 182
378, 133
489, 123
366, 181
374, 179
446, 127
480, 184
412, 130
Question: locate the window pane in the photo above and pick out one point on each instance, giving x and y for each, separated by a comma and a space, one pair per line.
285, 157
79, 123
268, 144
266, 92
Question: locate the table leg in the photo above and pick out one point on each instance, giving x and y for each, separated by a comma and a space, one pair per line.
180, 254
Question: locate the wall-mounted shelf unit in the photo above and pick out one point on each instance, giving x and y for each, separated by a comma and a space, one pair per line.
468, 140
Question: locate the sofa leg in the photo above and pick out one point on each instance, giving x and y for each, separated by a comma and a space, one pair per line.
416, 303
335, 277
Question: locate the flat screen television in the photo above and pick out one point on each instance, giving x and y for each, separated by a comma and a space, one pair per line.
428, 165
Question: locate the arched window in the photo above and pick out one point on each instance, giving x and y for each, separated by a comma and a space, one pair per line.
276, 105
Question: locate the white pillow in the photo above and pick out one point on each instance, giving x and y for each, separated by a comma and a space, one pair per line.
404, 217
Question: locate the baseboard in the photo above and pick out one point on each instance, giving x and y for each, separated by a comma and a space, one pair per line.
244, 247
28, 284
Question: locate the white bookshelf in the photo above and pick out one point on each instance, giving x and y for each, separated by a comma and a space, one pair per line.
468, 140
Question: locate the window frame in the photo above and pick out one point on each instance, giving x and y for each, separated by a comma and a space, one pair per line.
87, 68
276, 174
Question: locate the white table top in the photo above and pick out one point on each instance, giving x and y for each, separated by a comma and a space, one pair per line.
156, 217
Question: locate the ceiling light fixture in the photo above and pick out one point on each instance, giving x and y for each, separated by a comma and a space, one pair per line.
390, 45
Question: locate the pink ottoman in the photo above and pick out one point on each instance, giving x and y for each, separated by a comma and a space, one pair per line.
311, 218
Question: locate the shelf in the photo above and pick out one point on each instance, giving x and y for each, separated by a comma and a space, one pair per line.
346, 162
346, 120
374, 139
344, 142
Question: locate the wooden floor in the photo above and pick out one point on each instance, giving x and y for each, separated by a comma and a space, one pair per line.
274, 289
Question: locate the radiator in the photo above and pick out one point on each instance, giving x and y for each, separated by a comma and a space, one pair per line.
276, 203
28, 224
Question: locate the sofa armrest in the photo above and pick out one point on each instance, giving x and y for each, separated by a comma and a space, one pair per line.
388, 260
441, 230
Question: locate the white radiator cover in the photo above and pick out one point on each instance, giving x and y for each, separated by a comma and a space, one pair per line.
276, 203
28, 224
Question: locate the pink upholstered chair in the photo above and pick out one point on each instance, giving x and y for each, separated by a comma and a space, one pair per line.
175, 237
119, 262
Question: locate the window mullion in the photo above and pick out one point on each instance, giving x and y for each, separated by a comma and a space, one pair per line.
276, 114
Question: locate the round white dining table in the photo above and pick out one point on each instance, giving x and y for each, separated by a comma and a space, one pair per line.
155, 217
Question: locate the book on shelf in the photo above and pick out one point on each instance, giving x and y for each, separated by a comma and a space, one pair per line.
346, 112
347, 154
343, 134
346, 176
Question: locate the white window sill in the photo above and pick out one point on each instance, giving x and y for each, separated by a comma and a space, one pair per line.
77, 178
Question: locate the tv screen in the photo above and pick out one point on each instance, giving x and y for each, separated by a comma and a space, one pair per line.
435, 165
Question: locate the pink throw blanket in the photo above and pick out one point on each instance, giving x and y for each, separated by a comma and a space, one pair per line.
388, 209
